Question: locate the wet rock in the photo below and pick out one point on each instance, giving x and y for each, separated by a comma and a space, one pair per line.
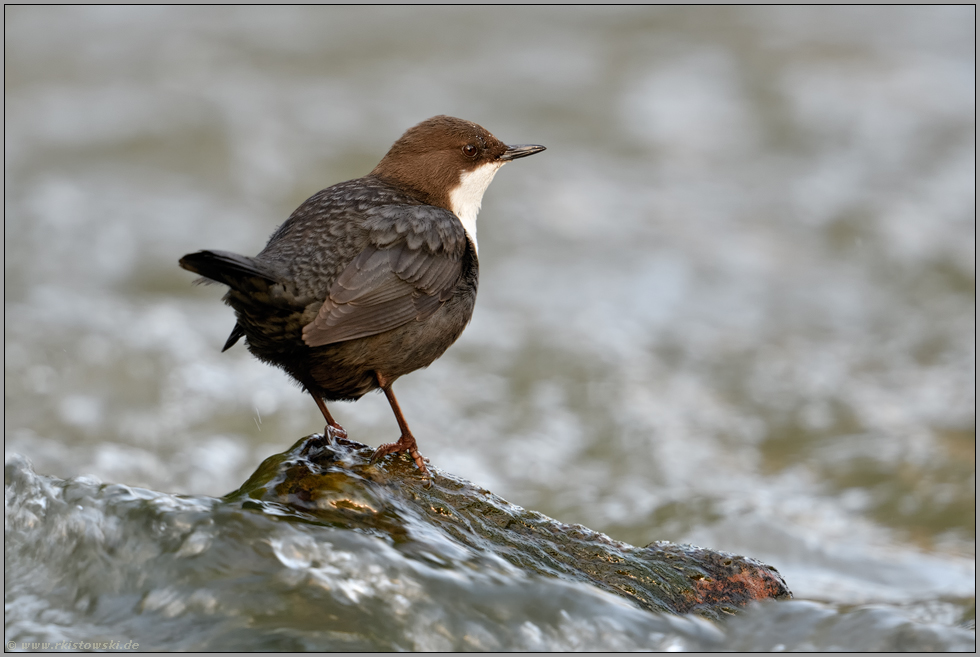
445, 519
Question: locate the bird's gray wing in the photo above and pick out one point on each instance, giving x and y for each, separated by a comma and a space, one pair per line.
410, 267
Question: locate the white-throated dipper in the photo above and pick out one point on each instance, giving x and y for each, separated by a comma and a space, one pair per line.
372, 278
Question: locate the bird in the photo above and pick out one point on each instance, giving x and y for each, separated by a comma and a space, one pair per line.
373, 278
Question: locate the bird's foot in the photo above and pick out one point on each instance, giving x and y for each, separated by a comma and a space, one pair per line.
405, 444
335, 431
332, 434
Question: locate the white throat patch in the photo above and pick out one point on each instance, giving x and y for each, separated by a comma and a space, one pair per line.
467, 197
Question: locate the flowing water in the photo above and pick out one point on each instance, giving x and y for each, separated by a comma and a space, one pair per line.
733, 304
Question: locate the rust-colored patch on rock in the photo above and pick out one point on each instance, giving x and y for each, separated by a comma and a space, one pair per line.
718, 580
740, 584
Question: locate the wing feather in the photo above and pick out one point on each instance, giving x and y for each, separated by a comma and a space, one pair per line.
395, 280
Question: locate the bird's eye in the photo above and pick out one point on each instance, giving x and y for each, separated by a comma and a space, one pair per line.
469, 150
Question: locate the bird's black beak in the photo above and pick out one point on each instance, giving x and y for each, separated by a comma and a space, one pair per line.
521, 150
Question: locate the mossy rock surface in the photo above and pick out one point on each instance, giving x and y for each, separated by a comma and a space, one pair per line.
333, 482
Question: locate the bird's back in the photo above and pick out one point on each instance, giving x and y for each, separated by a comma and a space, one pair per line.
324, 234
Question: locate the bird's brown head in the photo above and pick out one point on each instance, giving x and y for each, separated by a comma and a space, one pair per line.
449, 162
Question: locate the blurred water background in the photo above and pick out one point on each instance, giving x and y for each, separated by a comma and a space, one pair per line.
733, 304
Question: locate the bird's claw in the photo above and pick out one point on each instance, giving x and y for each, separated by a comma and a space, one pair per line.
405, 444
335, 431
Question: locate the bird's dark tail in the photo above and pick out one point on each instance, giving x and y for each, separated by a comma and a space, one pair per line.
236, 334
236, 271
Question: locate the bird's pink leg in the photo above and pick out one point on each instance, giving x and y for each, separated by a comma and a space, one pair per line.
332, 426
407, 441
